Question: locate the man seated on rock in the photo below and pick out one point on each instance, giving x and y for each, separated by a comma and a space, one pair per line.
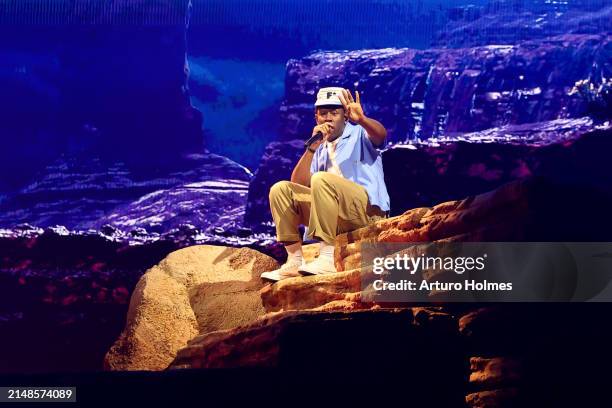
337, 186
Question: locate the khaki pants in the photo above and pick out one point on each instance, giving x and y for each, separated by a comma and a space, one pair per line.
331, 206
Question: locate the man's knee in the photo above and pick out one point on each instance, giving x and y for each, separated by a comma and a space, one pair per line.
279, 188
319, 179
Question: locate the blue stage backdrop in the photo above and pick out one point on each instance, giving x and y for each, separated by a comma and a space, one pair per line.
129, 129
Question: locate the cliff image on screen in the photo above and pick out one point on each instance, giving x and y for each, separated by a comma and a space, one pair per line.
189, 185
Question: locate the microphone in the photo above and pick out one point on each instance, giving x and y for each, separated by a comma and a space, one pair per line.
317, 136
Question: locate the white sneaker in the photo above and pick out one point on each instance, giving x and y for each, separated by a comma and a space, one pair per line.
288, 270
319, 266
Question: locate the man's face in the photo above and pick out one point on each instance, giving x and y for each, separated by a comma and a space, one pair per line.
333, 115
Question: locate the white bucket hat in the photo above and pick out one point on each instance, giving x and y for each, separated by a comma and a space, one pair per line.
329, 96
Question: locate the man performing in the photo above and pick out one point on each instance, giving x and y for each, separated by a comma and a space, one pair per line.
337, 185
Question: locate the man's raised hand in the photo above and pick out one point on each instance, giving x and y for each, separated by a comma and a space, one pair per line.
352, 107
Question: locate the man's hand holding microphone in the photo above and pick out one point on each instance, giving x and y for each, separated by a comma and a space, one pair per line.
320, 133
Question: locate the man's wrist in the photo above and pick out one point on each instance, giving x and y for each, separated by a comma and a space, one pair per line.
310, 150
361, 120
